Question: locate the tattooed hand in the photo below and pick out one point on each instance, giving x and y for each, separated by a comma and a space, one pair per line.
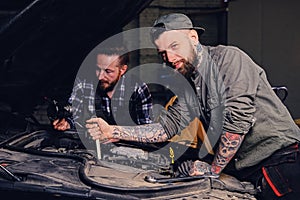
196, 168
99, 129
199, 168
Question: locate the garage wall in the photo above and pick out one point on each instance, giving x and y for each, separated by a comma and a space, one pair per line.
269, 31
210, 14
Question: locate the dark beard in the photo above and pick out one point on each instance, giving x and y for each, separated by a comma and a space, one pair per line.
109, 88
187, 69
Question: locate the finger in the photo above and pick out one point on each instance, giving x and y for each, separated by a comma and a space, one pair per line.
68, 126
92, 125
93, 120
199, 168
63, 127
196, 173
57, 127
94, 131
99, 137
59, 123
55, 122
65, 124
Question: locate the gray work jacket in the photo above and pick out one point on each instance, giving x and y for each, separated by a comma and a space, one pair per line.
234, 95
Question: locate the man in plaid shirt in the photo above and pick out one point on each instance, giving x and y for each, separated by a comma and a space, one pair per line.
116, 98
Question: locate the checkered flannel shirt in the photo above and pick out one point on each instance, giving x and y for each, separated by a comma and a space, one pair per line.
84, 92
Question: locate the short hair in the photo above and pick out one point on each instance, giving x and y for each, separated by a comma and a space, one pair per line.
120, 51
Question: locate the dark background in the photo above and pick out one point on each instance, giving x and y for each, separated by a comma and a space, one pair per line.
43, 43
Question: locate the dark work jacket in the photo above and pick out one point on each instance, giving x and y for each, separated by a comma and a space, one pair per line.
234, 95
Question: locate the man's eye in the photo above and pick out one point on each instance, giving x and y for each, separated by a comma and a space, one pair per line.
108, 71
174, 46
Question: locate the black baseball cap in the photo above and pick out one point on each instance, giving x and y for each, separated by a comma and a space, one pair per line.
173, 21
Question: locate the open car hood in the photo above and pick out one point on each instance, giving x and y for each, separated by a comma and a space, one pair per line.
45, 42
51, 164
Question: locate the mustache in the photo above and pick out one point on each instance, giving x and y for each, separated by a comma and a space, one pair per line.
183, 66
109, 87
186, 65
186, 68
178, 61
102, 82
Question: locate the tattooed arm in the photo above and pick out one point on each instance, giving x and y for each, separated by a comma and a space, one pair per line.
228, 146
148, 133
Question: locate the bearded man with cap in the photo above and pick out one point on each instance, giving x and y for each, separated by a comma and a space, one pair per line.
254, 136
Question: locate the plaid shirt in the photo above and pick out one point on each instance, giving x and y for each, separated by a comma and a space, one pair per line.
86, 103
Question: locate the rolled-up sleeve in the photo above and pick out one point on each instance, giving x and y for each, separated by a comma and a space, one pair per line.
240, 76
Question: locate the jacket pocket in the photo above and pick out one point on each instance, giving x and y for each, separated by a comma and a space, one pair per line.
276, 180
273, 170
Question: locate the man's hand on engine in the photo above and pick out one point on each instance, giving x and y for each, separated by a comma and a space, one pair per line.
196, 168
200, 168
100, 129
61, 124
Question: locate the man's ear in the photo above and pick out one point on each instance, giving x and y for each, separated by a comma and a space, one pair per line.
194, 36
123, 69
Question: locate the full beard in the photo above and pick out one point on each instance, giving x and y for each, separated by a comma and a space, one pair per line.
106, 86
188, 67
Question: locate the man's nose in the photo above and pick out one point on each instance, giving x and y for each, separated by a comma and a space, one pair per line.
171, 56
101, 74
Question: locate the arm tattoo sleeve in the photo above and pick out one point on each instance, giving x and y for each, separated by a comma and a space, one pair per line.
148, 133
228, 146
